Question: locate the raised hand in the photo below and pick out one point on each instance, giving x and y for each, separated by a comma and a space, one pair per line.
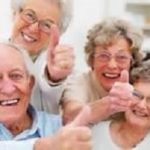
122, 89
74, 136
121, 95
60, 58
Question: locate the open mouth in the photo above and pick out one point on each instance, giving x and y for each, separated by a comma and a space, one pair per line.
111, 75
10, 102
28, 38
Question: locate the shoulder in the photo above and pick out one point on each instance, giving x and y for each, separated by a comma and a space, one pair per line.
50, 123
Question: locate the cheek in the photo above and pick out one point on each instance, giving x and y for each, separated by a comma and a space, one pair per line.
98, 67
18, 26
45, 39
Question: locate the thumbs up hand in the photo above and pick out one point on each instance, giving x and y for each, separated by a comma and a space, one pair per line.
74, 136
122, 89
60, 58
121, 94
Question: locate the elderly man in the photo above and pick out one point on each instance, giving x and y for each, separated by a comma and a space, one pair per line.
20, 121
37, 26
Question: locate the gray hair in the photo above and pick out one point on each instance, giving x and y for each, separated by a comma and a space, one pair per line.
141, 72
110, 29
66, 7
26, 58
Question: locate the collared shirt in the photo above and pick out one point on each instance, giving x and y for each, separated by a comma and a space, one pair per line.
43, 125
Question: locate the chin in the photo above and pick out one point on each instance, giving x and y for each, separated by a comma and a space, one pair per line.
9, 120
107, 87
137, 121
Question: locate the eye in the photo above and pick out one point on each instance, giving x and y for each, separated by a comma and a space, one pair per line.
104, 55
16, 76
122, 57
46, 25
138, 95
29, 16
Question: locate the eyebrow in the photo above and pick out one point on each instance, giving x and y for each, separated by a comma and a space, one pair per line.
46, 19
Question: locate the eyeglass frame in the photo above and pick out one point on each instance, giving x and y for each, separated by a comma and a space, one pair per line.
110, 56
139, 96
35, 19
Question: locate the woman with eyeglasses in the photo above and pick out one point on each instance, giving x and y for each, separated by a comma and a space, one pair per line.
111, 50
130, 130
37, 26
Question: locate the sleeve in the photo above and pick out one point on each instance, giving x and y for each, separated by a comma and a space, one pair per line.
18, 145
76, 88
50, 93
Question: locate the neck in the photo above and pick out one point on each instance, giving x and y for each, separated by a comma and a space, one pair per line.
17, 127
128, 135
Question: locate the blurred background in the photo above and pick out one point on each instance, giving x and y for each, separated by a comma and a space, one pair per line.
86, 14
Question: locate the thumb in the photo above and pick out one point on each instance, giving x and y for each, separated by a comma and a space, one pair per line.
54, 38
83, 117
124, 76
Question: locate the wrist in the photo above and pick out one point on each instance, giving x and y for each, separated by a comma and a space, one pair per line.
52, 80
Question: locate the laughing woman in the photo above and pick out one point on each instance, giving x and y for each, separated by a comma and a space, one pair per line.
131, 130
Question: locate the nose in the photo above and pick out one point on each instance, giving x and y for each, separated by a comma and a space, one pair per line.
142, 104
112, 63
7, 87
34, 27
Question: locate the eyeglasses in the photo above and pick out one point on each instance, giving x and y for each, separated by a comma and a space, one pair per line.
120, 58
30, 17
139, 96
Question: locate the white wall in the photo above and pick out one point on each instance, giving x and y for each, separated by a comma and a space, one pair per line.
5, 21
86, 14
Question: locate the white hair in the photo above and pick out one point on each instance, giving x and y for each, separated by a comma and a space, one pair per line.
24, 54
66, 8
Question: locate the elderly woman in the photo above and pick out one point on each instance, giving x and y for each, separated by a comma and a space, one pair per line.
20, 121
36, 28
132, 129
113, 46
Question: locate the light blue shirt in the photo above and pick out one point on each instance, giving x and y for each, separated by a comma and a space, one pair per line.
43, 125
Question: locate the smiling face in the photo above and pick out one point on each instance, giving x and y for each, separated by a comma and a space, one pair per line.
108, 71
29, 36
139, 114
15, 86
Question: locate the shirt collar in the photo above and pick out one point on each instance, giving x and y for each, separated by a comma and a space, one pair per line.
34, 131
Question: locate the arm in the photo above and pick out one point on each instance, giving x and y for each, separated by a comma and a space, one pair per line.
17, 145
52, 70
74, 136
119, 99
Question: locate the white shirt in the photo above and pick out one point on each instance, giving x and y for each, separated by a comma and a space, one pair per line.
102, 139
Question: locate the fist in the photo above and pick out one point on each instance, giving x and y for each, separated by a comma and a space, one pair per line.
60, 58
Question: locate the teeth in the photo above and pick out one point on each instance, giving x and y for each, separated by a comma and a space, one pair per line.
9, 102
111, 75
140, 114
28, 38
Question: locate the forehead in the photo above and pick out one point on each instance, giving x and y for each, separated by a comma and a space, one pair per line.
11, 56
143, 87
116, 45
48, 9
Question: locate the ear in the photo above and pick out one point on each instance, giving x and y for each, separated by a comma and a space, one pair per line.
31, 82
14, 15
